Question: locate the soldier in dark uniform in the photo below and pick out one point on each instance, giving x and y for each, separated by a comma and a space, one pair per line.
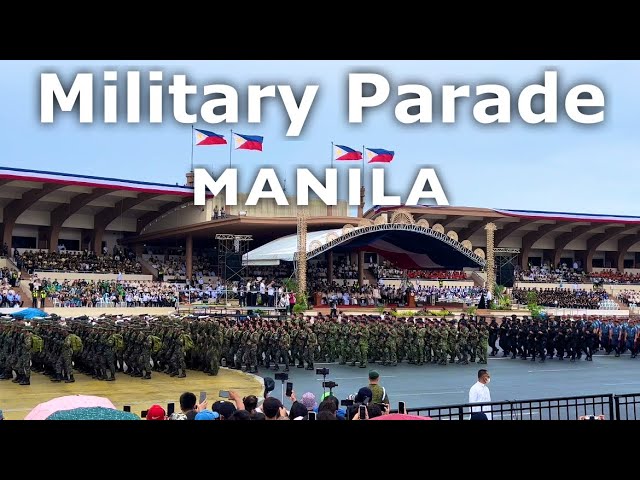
493, 335
310, 348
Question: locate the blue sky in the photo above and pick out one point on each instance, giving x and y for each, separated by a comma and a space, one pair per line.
557, 167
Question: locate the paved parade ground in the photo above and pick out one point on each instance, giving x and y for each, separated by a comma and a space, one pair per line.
433, 385
418, 386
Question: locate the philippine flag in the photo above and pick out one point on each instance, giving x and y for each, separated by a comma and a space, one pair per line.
378, 155
345, 153
205, 137
247, 142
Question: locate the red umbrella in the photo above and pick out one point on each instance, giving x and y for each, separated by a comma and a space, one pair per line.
399, 416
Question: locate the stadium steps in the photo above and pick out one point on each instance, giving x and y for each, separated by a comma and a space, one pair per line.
147, 268
370, 276
479, 278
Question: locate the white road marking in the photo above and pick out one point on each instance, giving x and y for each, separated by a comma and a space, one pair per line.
425, 393
557, 370
623, 383
357, 378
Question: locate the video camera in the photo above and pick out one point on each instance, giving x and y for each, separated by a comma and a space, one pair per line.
283, 377
330, 384
322, 371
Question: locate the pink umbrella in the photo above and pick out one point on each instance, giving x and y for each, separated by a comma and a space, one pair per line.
399, 416
42, 411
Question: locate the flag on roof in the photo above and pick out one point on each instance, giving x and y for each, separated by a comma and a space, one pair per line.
205, 137
345, 153
247, 142
378, 155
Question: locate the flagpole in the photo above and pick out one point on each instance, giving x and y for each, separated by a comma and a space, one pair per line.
192, 148
332, 148
363, 162
230, 147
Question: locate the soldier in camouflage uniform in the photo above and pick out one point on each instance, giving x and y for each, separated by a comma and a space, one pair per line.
483, 344
239, 341
108, 358
146, 343
284, 345
23, 365
299, 345
463, 344
310, 348
362, 350
473, 343
214, 348
390, 354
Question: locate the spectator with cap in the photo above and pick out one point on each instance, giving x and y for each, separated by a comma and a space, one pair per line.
273, 408
378, 391
207, 415
364, 395
156, 412
225, 409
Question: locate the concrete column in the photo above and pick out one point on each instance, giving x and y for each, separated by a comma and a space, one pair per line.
54, 235
98, 233
330, 266
360, 267
189, 255
7, 234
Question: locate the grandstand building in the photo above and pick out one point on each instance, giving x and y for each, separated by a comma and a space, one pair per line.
52, 210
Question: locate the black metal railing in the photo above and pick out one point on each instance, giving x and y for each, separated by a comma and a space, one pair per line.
562, 408
627, 407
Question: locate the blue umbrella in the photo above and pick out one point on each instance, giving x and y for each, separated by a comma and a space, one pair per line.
29, 313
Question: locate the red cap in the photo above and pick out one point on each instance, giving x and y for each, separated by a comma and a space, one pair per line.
156, 412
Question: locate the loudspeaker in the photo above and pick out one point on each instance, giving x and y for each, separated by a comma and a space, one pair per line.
505, 275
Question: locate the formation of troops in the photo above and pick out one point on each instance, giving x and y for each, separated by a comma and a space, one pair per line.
139, 345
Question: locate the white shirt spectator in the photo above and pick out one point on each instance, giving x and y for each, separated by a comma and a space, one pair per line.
479, 393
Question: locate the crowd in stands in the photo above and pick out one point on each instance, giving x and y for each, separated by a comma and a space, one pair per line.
86, 261
342, 269
630, 298
547, 274
561, 297
380, 271
424, 294
365, 296
566, 275
378, 295
83, 293
615, 277
176, 266
437, 274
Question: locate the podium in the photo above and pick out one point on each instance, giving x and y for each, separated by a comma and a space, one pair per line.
317, 299
411, 300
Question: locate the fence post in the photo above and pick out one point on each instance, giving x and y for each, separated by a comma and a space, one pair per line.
616, 399
460, 412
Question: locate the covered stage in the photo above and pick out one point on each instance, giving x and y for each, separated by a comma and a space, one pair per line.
408, 246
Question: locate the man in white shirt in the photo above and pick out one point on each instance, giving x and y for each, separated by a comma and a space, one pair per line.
479, 393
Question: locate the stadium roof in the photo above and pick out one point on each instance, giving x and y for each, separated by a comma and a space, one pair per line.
408, 246
59, 196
